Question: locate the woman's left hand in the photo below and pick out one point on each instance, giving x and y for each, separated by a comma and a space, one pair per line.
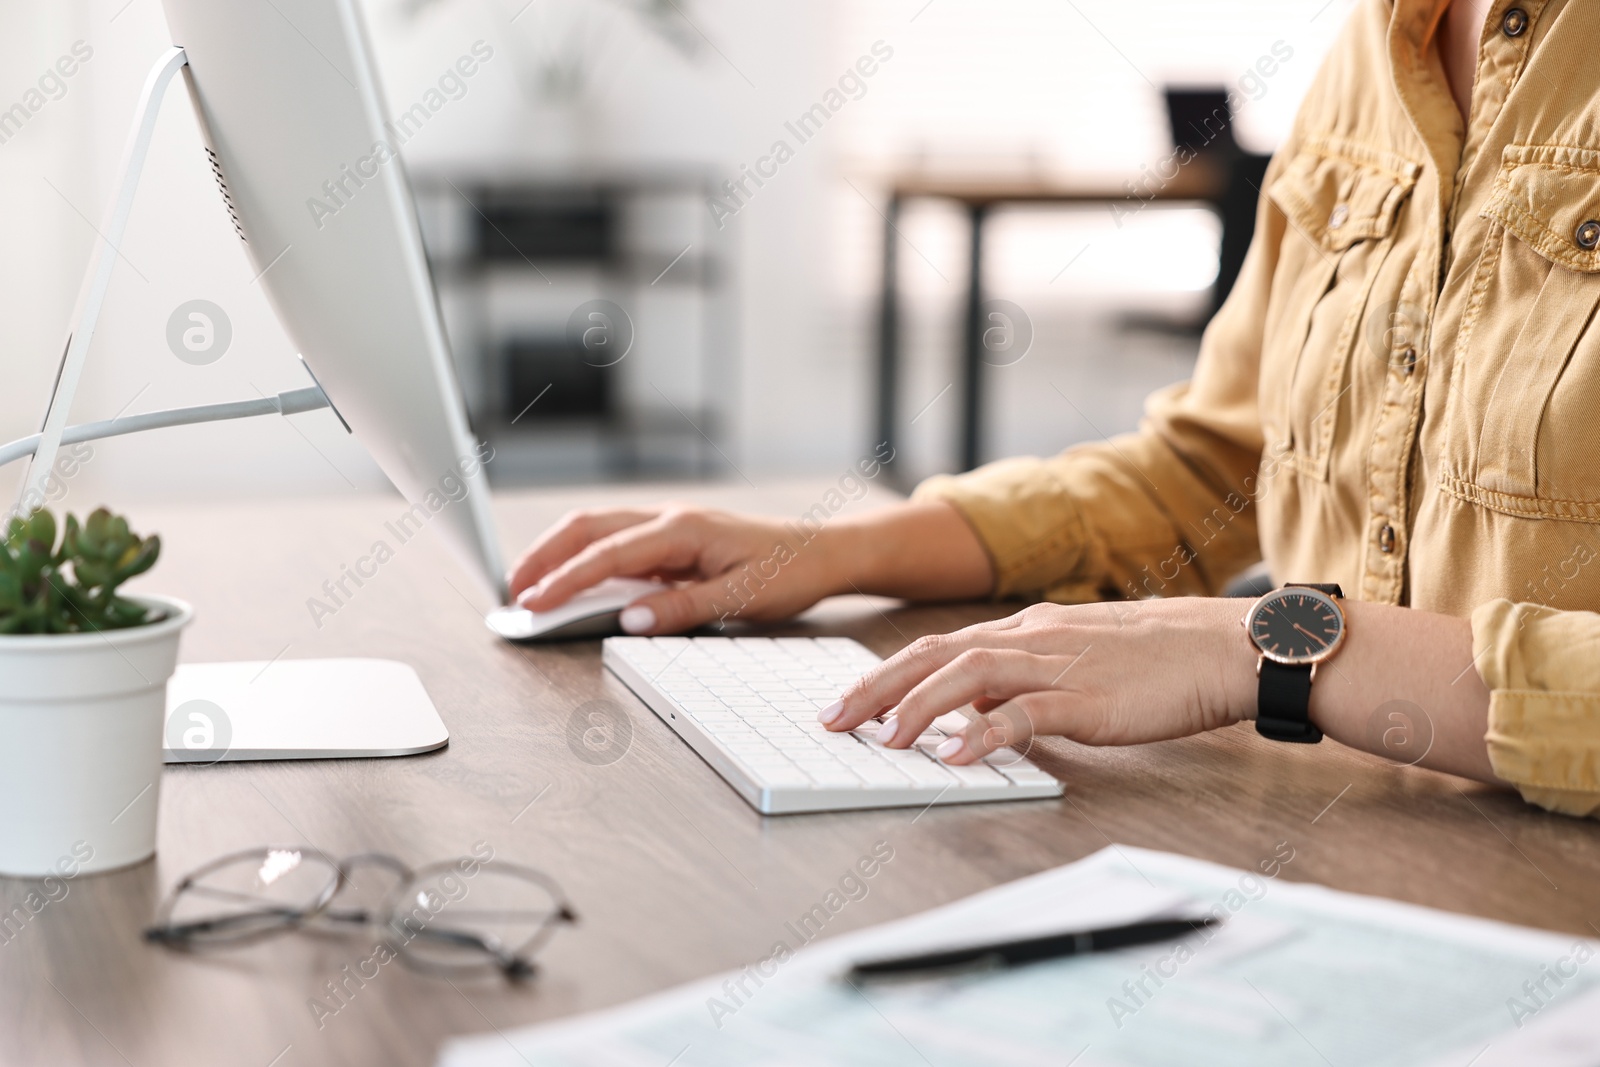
1100, 674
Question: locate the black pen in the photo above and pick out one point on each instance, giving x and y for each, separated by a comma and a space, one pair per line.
1032, 949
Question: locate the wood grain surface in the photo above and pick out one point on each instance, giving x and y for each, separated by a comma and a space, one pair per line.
674, 876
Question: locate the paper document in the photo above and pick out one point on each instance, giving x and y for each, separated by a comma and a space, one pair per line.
1296, 974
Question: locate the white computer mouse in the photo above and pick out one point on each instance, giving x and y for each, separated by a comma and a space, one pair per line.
591, 613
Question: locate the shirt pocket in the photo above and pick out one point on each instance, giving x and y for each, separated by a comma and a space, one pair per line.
1525, 384
1341, 201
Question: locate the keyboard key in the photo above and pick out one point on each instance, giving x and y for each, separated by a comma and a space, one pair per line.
824, 736
834, 778
976, 774
928, 774
883, 777
812, 763
1001, 758
765, 763
1027, 775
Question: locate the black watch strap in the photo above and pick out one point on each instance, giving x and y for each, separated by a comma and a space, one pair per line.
1283, 696
1283, 703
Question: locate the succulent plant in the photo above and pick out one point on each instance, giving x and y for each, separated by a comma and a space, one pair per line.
47, 588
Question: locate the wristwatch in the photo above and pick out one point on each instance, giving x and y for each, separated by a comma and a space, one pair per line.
1295, 629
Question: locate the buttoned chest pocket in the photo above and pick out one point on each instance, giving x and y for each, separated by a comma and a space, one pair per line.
1341, 201
1524, 406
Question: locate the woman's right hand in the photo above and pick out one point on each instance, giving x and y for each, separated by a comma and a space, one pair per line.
726, 565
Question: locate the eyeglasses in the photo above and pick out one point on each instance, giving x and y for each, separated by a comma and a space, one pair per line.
451, 917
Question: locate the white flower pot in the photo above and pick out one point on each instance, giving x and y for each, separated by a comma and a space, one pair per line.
81, 723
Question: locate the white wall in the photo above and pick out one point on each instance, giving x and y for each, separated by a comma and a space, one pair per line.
972, 83
179, 246
42, 242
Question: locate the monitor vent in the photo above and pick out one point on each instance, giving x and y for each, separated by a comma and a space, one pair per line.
227, 201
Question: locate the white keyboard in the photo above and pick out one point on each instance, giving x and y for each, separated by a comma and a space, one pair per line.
748, 706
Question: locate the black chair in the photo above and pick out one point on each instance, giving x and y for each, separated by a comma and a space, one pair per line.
1201, 120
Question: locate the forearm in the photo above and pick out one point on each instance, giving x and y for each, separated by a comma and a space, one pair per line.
917, 551
1403, 686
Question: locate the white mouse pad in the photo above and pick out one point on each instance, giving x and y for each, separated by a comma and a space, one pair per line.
299, 709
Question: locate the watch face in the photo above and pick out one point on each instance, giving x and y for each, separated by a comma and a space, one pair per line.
1296, 625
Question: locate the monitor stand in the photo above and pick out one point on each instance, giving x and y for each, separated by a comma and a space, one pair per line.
298, 709
284, 709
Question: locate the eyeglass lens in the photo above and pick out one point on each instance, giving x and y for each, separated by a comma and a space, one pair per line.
250, 895
464, 913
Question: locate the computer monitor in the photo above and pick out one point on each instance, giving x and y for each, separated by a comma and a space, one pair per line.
307, 162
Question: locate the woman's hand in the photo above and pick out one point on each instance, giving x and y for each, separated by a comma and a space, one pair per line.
751, 568
1100, 674
1402, 686
729, 565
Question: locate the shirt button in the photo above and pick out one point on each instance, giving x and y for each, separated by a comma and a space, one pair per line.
1386, 539
1515, 23
1408, 360
1588, 234
1338, 216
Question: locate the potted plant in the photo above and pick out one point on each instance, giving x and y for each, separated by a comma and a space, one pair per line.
83, 679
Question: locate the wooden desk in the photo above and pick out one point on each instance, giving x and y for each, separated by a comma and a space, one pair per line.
675, 877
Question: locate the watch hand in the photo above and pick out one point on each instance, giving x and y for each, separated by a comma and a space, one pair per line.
1308, 633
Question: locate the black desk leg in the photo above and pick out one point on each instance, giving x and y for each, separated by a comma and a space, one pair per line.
889, 338
972, 350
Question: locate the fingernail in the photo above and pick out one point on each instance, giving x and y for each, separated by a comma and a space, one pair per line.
527, 595
637, 619
950, 746
831, 713
887, 731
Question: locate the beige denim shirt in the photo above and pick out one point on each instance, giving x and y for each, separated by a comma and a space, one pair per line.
1402, 392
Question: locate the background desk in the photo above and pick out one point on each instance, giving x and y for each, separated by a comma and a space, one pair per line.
1227, 182
675, 877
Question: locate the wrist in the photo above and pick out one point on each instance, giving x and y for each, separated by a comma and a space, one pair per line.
842, 552
1236, 660
915, 550
1295, 629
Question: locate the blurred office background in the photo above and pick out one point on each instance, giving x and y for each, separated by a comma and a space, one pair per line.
579, 170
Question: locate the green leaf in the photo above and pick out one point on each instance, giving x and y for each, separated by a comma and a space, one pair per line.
91, 574
95, 529
123, 612
42, 529
69, 537
139, 558
73, 588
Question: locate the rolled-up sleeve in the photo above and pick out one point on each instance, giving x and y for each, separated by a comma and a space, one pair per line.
1542, 667
1166, 511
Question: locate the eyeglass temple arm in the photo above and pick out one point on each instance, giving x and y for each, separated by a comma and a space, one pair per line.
184, 931
512, 964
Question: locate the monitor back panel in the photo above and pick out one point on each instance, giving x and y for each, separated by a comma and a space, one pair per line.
296, 132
